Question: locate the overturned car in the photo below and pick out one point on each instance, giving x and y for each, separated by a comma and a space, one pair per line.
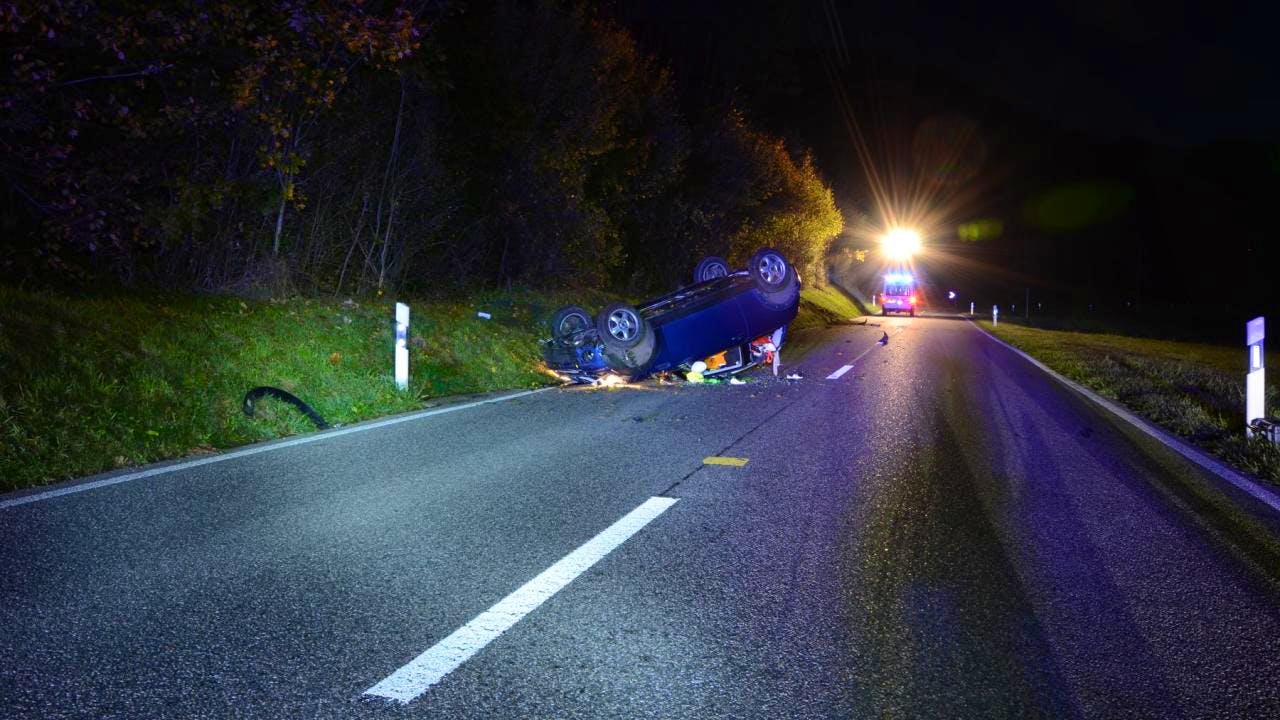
731, 320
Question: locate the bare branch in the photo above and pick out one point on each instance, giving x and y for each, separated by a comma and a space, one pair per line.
148, 70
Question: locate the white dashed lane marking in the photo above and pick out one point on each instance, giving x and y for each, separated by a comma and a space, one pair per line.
450, 653
836, 375
846, 368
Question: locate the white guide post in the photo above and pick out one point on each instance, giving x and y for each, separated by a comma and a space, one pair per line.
1254, 384
995, 315
402, 346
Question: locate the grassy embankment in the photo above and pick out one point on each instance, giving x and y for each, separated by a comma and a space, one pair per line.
91, 384
1193, 390
94, 384
820, 306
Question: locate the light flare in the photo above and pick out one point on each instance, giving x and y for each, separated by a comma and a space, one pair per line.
901, 244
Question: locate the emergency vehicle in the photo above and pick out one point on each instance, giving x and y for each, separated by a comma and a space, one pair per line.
899, 294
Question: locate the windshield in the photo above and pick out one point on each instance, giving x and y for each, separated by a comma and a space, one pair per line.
897, 289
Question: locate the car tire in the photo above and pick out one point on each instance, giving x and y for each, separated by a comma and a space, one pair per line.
621, 327
627, 337
710, 268
771, 271
568, 321
776, 295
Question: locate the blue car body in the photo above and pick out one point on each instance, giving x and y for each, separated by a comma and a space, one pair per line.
725, 314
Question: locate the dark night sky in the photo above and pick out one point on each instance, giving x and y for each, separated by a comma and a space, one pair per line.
1179, 106
1165, 74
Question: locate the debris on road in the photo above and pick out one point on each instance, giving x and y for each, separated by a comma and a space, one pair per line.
695, 372
795, 376
883, 340
610, 381
484, 315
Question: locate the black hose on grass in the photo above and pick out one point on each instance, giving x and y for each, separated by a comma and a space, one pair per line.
277, 393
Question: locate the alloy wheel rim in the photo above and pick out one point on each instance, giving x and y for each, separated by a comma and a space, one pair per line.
623, 325
773, 269
572, 324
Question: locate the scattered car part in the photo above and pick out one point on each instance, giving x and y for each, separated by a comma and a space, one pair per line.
267, 391
695, 374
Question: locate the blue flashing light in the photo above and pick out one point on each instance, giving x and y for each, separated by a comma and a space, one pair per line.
899, 278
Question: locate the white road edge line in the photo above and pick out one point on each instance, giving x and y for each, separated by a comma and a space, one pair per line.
152, 472
429, 668
836, 375
1195, 455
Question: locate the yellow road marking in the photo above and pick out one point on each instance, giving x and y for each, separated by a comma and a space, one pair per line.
736, 462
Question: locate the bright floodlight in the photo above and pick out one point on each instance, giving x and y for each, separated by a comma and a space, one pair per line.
901, 243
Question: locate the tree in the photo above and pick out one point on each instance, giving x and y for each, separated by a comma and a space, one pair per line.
298, 57
567, 134
748, 192
123, 122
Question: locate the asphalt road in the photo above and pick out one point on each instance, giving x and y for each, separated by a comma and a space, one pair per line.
942, 531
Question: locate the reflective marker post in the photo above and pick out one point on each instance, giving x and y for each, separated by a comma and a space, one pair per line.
402, 346
971, 307
1254, 386
995, 315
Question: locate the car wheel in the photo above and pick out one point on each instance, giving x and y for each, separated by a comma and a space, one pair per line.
771, 271
766, 267
620, 326
567, 325
710, 268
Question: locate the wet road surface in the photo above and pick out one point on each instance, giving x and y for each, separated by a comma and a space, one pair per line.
938, 531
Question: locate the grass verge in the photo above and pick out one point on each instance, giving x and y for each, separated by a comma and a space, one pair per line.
93, 384
1193, 390
90, 384
822, 306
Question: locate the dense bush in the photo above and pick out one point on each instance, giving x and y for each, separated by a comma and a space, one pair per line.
352, 147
